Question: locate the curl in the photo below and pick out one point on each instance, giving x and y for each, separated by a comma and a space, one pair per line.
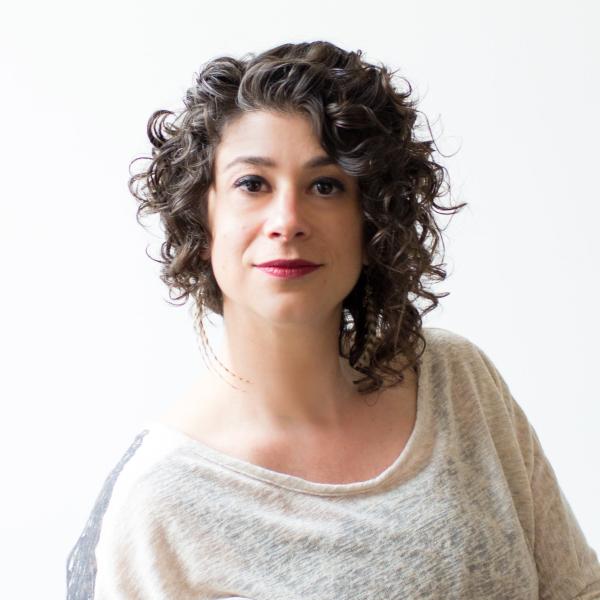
367, 120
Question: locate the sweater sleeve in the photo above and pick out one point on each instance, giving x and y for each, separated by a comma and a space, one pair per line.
136, 557
567, 566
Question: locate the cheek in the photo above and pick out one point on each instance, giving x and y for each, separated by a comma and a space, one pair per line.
351, 231
229, 245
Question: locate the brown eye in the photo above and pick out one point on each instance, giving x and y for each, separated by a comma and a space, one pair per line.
249, 183
328, 185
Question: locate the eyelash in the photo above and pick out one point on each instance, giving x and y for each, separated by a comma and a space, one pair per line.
254, 178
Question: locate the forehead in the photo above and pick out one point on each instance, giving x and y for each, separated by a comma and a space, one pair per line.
270, 134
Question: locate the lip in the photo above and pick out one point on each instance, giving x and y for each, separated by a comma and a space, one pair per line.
288, 264
288, 272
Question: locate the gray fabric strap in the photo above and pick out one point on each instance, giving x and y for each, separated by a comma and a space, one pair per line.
81, 562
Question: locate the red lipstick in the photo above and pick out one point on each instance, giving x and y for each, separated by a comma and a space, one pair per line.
288, 269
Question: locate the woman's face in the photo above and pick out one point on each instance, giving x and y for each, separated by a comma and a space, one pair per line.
268, 202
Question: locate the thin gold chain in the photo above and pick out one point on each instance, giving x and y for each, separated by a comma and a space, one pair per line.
198, 325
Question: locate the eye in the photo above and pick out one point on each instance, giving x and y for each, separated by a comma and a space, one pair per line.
326, 185
329, 183
251, 181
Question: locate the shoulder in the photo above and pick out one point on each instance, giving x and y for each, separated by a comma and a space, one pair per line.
135, 482
444, 340
450, 347
147, 477
148, 492
115, 510
124, 536
457, 360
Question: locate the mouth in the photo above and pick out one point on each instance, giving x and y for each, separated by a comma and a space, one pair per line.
288, 272
288, 264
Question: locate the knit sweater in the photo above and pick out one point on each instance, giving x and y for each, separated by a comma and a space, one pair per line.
470, 509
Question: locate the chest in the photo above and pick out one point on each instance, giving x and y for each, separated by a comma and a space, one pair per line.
363, 448
417, 540
358, 454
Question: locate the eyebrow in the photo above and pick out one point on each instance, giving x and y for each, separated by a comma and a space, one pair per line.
262, 161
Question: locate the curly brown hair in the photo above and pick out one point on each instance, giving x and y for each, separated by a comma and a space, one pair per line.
369, 127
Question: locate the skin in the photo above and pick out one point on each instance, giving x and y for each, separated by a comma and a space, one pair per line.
282, 334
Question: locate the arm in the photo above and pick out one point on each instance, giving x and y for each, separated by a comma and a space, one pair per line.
567, 566
138, 556
125, 551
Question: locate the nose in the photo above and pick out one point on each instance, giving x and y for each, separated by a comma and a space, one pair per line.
287, 218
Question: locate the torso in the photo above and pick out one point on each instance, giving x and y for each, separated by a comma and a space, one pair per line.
372, 441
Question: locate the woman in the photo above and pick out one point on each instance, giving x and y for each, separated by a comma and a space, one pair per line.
336, 448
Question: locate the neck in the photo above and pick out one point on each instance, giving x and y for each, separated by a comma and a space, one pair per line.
296, 376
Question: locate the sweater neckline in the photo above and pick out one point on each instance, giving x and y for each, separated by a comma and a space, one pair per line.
405, 466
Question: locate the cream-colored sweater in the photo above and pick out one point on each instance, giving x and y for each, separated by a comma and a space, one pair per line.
471, 509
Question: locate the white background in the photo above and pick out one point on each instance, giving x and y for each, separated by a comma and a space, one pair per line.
91, 347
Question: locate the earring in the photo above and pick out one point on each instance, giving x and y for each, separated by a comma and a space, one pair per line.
371, 326
204, 343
